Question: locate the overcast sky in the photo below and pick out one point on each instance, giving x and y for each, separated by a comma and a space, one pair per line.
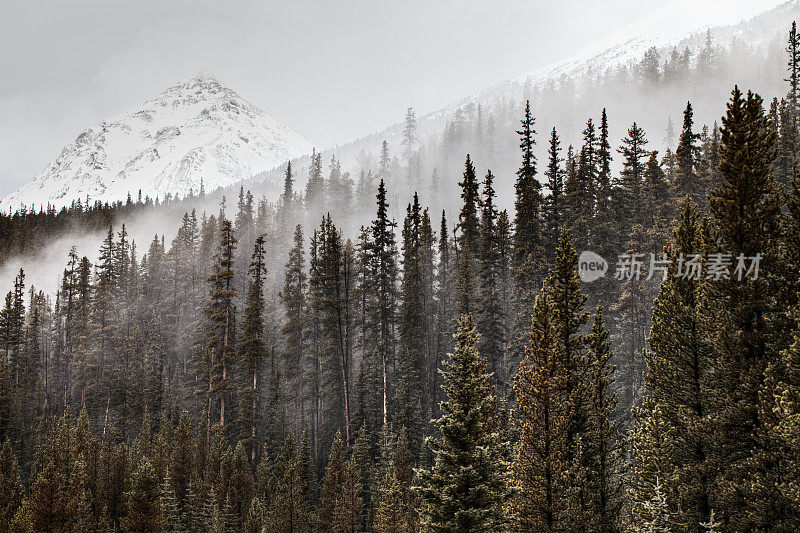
333, 70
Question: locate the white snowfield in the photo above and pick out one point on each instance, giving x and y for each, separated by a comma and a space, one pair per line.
197, 130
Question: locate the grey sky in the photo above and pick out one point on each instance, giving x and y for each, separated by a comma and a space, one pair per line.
333, 70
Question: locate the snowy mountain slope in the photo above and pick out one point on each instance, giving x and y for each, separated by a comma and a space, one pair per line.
197, 130
666, 27
677, 25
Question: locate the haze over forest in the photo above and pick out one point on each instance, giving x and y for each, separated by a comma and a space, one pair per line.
213, 325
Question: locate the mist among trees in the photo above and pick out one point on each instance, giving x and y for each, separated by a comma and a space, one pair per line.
436, 365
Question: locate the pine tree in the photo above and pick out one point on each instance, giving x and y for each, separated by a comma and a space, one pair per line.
786, 429
541, 465
332, 485
365, 465
554, 203
793, 49
527, 225
295, 326
315, 187
349, 514
256, 517
49, 504
445, 317
173, 522
410, 131
629, 188
183, 461
12, 491
652, 448
240, 484
221, 315
340, 506
680, 368
331, 281
252, 352
286, 206
468, 240
427, 257
289, 509
551, 388
658, 518
490, 317
143, 508
604, 158
604, 457
397, 512
745, 211
468, 488
505, 254
577, 197
309, 470
384, 272
657, 205
687, 153
410, 404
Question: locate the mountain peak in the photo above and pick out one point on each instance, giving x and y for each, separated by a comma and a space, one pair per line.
203, 80
198, 129
204, 77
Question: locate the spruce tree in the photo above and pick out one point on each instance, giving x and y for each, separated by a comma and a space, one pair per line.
252, 352
468, 487
410, 404
468, 240
384, 270
219, 350
143, 507
290, 511
680, 367
553, 390
527, 225
745, 211
629, 188
295, 325
397, 511
686, 154
554, 203
603, 446
12, 491
490, 317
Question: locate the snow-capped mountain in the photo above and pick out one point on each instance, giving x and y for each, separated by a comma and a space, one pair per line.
197, 130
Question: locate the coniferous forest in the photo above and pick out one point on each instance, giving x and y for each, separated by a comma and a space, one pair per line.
283, 367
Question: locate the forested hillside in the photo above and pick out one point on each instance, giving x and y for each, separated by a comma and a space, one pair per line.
288, 367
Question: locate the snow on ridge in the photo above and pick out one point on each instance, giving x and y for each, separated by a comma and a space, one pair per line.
668, 26
196, 130
664, 27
